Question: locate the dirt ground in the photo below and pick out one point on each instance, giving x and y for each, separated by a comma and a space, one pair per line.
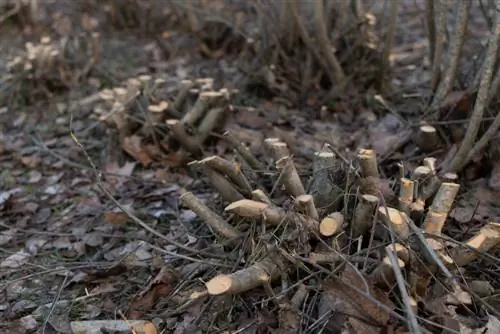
69, 253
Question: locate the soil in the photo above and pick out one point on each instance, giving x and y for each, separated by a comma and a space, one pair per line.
69, 253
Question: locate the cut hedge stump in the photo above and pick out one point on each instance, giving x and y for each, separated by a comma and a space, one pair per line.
291, 233
304, 233
152, 122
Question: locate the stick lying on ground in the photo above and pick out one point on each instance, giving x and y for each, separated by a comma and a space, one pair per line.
209, 217
225, 188
271, 215
487, 238
232, 170
244, 279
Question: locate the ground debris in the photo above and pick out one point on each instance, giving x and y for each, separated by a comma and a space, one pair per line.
234, 167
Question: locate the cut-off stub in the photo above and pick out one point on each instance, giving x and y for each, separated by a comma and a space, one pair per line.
331, 224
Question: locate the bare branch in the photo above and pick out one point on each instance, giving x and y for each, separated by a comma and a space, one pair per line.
454, 53
462, 156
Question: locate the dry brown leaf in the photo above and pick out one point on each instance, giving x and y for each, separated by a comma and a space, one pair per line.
478, 203
251, 118
164, 175
175, 160
153, 151
118, 219
251, 138
357, 306
112, 168
160, 286
167, 34
62, 25
422, 284
286, 136
31, 161
125, 170
133, 146
88, 22
461, 101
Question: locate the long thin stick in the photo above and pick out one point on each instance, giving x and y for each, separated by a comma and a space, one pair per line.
431, 28
454, 53
414, 326
461, 157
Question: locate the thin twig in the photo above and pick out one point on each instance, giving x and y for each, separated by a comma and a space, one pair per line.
54, 303
437, 55
325, 44
414, 326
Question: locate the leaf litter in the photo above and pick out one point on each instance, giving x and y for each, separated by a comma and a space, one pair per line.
66, 235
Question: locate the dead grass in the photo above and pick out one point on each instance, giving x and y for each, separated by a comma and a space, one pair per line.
305, 73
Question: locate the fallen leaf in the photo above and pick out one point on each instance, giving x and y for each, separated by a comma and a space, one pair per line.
19, 120
88, 22
366, 314
62, 25
118, 219
493, 325
251, 118
5, 196
134, 254
31, 161
54, 189
29, 323
34, 176
153, 151
16, 260
93, 239
6, 237
133, 146
117, 180
103, 288
461, 101
126, 170
160, 286
175, 160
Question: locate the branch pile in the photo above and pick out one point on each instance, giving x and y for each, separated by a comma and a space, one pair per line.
372, 253
150, 122
316, 46
50, 66
290, 49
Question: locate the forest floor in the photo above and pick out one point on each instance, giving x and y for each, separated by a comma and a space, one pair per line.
68, 253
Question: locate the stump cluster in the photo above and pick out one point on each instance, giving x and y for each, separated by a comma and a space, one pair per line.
151, 120
396, 244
